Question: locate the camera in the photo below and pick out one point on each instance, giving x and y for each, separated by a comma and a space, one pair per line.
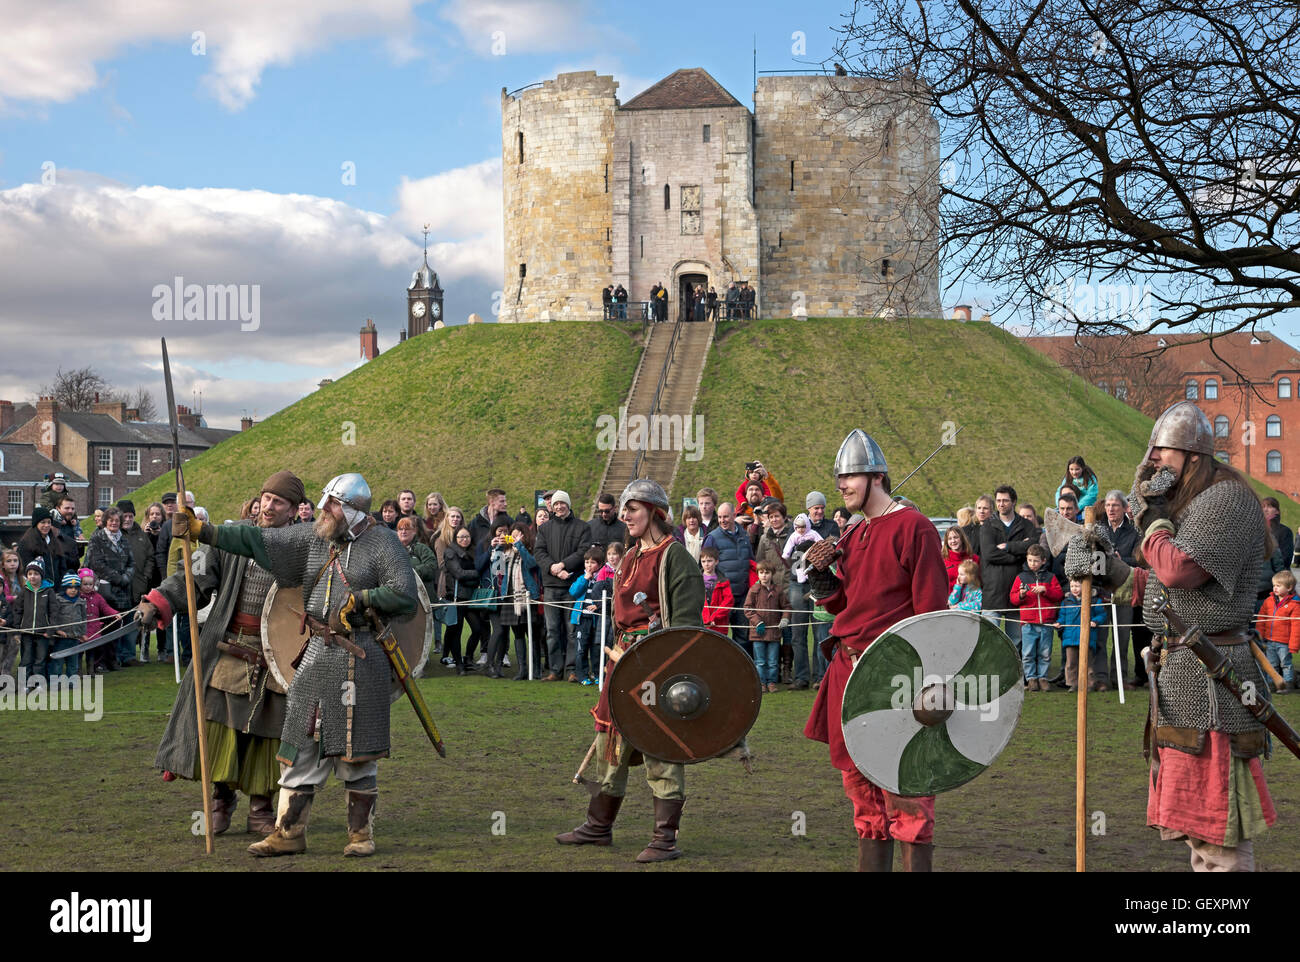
750, 466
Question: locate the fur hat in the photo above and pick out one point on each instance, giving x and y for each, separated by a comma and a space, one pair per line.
41, 513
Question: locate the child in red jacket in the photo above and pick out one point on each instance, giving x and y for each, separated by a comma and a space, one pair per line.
1279, 625
717, 592
1039, 595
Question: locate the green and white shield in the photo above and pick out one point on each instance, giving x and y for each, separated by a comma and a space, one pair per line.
932, 702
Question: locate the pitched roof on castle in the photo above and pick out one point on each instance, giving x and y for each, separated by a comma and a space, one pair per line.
682, 90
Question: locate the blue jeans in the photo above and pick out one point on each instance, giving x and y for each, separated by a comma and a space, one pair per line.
767, 656
740, 630
35, 648
560, 652
800, 617
1036, 650
62, 666
586, 661
1279, 656
1011, 625
821, 631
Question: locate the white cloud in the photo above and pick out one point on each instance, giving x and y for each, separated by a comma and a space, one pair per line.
49, 52
84, 258
506, 27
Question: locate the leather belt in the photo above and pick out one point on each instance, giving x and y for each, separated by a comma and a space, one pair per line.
244, 624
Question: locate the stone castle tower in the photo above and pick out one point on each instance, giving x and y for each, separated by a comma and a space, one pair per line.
824, 199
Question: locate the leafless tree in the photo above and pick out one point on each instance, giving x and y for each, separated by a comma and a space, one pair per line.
1108, 166
140, 399
76, 390
1149, 381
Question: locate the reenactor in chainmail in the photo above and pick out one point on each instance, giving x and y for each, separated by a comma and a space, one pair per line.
1204, 540
348, 569
244, 705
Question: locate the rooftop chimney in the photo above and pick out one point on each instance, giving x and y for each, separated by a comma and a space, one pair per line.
114, 409
6, 416
245, 423
369, 341
47, 426
186, 418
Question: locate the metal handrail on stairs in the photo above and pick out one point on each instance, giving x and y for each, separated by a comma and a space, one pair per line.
659, 388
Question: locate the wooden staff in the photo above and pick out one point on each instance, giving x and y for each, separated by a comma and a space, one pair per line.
1081, 716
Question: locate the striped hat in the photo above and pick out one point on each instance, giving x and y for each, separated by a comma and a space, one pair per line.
70, 580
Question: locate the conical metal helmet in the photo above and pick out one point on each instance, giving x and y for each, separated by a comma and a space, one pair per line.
643, 489
350, 489
860, 454
1183, 426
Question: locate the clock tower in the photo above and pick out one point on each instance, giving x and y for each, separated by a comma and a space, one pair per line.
423, 296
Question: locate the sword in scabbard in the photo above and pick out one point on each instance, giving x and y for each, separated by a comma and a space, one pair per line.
388, 641
1220, 669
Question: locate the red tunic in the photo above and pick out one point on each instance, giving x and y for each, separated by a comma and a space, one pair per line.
892, 568
637, 572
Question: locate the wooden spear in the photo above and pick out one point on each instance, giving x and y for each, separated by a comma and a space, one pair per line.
1081, 716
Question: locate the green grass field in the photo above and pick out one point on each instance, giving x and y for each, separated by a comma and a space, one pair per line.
82, 795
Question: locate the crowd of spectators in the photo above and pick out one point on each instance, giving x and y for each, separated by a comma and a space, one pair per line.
698, 303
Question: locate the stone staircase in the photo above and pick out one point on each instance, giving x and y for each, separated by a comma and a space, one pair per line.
659, 406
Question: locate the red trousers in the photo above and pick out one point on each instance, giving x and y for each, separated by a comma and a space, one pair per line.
882, 815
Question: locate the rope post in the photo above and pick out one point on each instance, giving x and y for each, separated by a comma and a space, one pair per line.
1081, 715
530, 640
603, 626
1119, 655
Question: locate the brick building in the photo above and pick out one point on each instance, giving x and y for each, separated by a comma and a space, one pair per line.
1248, 385
823, 198
24, 472
111, 450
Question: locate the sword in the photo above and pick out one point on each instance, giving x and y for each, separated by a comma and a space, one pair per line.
403, 672
1218, 668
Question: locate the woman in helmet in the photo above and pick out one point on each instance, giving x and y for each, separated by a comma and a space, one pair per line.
659, 566
1204, 540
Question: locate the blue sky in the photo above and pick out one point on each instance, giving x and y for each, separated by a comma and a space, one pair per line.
208, 141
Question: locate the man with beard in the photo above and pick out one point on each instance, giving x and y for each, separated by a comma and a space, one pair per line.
336, 719
890, 569
244, 705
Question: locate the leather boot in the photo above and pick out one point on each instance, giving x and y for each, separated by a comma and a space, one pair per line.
361, 823
875, 855
290, 834
598, 829
663, 844
224, 801
918, 858
261, 816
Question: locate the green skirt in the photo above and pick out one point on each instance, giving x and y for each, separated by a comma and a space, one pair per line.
244, 761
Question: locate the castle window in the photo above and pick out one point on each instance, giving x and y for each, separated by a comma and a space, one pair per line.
643, 247
778, 239
520, 137
607, 178
792, 175
1284, 387
1275, 462
668, 196
884, 267
1221, 426
523, 270
887, 137
1211, 389
1273, 427
706, 133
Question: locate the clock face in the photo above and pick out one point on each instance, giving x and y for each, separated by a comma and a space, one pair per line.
417, 309
437, 309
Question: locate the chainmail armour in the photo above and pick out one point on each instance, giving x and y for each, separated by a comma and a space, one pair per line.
1223, 531
256, 586
356, 731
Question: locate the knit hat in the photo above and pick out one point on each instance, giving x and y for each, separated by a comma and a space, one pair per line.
561, 496
814, 498
41, 513
38, 564
70, 580
286, 484
126, 506
86, 573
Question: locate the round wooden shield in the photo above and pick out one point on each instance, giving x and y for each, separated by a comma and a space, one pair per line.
281, 640
684, 694
932, 702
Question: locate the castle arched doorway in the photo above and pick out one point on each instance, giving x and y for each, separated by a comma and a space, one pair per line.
686, 284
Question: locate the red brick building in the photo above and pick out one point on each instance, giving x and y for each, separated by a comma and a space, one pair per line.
1248, 385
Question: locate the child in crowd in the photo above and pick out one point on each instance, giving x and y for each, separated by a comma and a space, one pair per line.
768, 609
10, 585
1038, 594
1070, 621
1279, 625
956, 549
68, 611
966, 594
718, 599
588, 589
98, 611
613, 557
803, 538
31, 612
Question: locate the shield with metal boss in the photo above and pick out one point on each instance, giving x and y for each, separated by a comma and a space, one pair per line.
932, 702
684, 694
282, 642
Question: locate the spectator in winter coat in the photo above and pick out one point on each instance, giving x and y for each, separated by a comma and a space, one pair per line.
68, 611
111, 557
691, 534
480, 526
604, 525
38, 541
423, 560
1004, 540
1038, 594
462, 578
142, 554
561, 544
956, 549
755, 473
815, 505
803, 538
971, 529
588, 589
735, 561
1124, 536
768, 611
66, 540
1281, 560
1081, 479
1070, 621
707, 500
1278, 624
966, 594
31, 613
718, 599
